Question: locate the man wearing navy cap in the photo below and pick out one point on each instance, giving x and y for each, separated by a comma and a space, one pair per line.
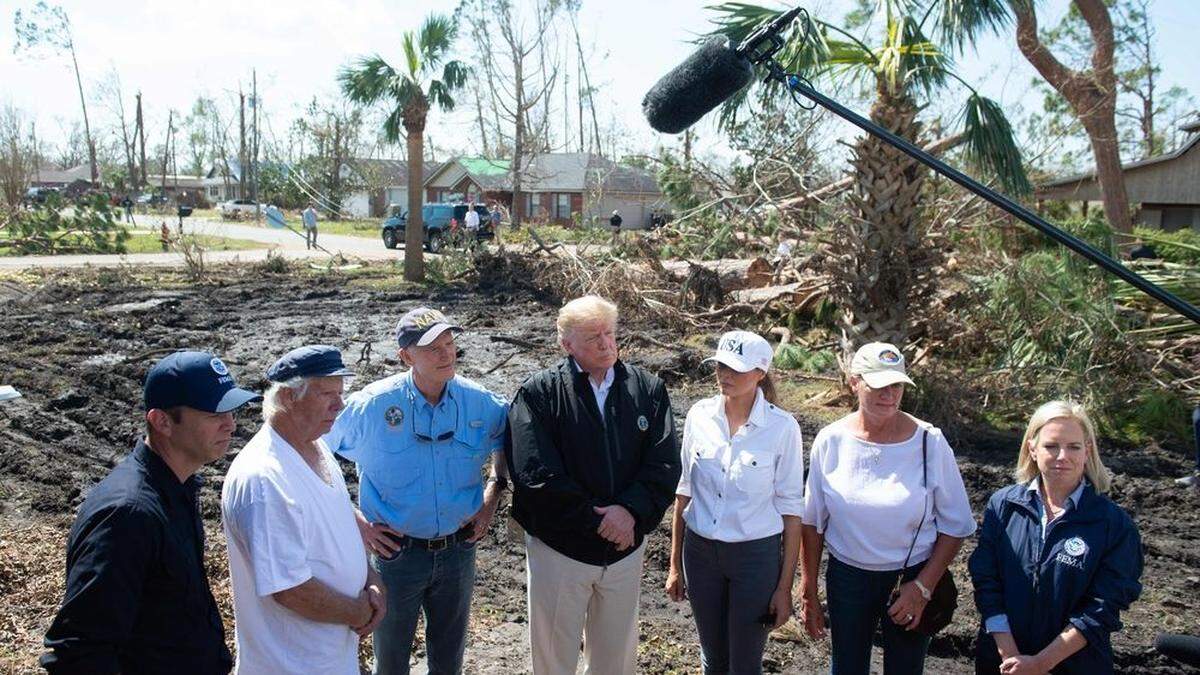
137, 599
302, 591
420, 440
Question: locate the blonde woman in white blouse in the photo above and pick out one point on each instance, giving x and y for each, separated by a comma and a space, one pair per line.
735, 535
868, 491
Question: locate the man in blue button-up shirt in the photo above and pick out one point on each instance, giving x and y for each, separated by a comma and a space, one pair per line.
420, 440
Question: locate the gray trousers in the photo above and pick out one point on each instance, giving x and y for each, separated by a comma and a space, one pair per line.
730, 587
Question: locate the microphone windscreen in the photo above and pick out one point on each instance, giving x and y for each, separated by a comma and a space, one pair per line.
1182, 648
706, 79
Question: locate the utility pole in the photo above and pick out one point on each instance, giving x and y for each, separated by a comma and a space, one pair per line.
141, 133
242, 143
166, 151
254, 159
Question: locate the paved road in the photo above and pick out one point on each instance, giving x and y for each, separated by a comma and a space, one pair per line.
279, 241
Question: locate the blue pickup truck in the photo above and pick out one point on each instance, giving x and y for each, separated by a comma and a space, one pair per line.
436, 219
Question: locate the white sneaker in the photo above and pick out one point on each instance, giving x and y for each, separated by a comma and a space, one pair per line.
1192, 481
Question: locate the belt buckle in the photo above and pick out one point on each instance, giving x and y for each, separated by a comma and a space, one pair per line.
438, 544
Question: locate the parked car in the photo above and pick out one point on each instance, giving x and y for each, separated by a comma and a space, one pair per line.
39, 195
151, 199
436, 220
237, 209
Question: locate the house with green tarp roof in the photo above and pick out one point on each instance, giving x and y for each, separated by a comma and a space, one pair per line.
559, 187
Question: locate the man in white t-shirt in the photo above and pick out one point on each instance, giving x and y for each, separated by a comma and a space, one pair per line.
303, 593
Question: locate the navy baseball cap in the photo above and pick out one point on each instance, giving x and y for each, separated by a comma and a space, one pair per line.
422, 326
194, 379
309, 361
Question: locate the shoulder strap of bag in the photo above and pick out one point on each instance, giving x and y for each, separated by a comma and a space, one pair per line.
924, 478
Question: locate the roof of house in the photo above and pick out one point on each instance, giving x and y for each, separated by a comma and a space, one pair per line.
1158, 159
389, 171
65, 176
559, 172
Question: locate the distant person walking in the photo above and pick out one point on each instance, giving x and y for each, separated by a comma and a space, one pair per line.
310, 226
615, 224
495, 217
471, 223
127, 204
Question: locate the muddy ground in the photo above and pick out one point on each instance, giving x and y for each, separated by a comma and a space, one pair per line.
78, 344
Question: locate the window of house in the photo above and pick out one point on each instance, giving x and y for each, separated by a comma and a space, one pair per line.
562, 210
533, 201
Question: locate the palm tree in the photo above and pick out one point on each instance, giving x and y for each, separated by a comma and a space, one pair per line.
427, 78
879, 262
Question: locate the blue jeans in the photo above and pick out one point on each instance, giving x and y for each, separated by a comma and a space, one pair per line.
858, 602
438, 582
730, 587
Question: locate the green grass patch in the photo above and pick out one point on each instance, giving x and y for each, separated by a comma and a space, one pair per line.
145, 242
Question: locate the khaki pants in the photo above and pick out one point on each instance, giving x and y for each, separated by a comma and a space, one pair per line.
569, 600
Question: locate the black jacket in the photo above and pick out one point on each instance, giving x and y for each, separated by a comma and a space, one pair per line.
565, 459
137, 598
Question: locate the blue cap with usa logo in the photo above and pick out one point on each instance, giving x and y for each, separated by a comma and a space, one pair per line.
197, 380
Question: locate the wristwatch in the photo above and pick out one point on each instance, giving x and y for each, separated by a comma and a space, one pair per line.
925, 593
500, 481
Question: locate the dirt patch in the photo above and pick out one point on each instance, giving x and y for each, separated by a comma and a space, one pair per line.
77, 346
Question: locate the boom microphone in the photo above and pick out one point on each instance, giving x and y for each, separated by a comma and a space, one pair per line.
710, 75
1182, 648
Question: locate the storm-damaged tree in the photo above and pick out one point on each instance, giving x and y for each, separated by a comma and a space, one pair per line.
880, 263
426, 77
48, 26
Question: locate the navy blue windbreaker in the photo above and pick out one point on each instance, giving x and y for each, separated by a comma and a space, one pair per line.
1084, 574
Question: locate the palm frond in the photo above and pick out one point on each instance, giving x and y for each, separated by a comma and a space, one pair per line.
960, 22
908, 58
455, 74
439, 93
412, 58
393, 125
435, 38
990, 145
368, 80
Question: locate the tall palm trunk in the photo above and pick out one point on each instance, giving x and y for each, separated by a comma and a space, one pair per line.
875, 258
414, 230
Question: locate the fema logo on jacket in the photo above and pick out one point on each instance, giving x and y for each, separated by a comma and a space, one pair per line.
1074, 550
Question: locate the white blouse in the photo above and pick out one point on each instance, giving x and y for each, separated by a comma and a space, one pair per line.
740, 487
867, 498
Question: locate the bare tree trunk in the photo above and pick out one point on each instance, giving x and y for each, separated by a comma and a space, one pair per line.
1092, 94
588, 83
87, 127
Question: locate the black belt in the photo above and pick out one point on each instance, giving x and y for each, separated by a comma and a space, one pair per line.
437, 543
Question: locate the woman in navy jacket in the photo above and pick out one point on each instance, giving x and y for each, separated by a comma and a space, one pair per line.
1057, 560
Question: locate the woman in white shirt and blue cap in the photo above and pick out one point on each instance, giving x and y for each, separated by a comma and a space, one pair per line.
885, 496
735, 535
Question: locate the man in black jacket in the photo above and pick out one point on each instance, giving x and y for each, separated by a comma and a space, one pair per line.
137, 598
592, 451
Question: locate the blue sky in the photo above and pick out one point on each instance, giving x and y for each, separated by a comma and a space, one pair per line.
174, 50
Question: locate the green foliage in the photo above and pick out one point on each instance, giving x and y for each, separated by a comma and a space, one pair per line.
1153, 414
275, 187
49, 229
1181, 246
795, 357
897, 59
